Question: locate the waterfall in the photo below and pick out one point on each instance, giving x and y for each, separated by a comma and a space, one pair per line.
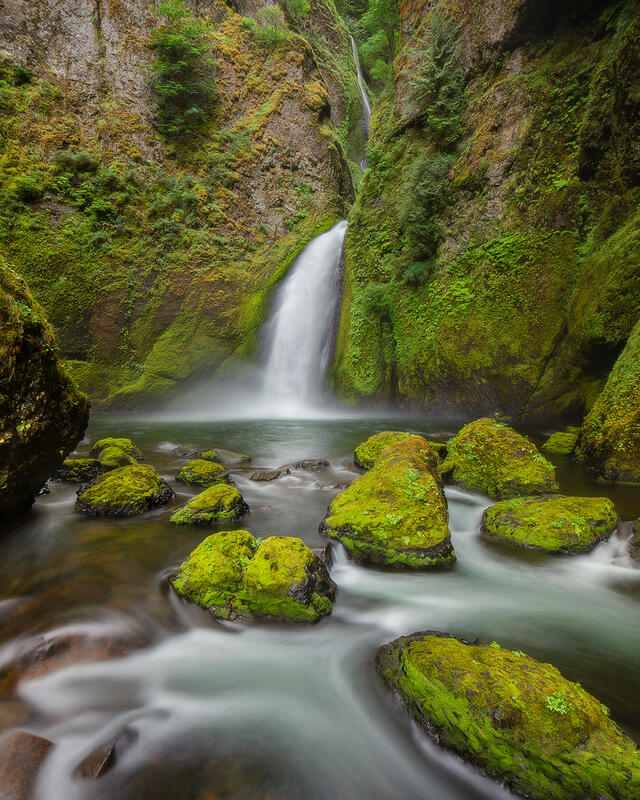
366, 108
299, 340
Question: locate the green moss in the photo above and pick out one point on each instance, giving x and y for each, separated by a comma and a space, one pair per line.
79, 470
517, 719
227, 457
234, 575
218, 502
492, 458
396, 513
124, 492
201, 472
111, 457
122, 444
553, 523
562, 443
366, 453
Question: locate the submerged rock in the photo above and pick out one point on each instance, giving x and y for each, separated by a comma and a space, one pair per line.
79, 470
188, 451
234, 575
113, 457
562, 443
365, 454
554, 523
42, 415
123, 444
487, 456
227, 457
104, 757
269, 474
21, 755
200, 472
517, 719
309, 464
218, 502
396, 513
124, 492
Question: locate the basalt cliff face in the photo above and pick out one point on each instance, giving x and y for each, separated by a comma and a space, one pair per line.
153, 260
528, 286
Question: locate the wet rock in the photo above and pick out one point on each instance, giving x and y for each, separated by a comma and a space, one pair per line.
396, 513
309, 464
218, 502
124, 444
227, 457
269, 474
104, 757
42, 415
515, 718
79, 470
124, 492
562, 443
113, 457
553, 523
365, 454
235, 575
631, 529
188, 451
203, 473
21, 755
487, 456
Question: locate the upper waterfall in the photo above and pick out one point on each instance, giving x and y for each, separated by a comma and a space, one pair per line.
366, 108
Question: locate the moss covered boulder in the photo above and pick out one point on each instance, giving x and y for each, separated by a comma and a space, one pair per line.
609, 441
487, 456
124, 492
42, 415
229, 458
365, 454
517, 719
113, 457
218, 502
396, 513
235, 575
201, 472
79, 470
122, 444
562, 443
553, 523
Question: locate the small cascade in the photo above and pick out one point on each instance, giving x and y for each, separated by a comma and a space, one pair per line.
366, 108
299, 340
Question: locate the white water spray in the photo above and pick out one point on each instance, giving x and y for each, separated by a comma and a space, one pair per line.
299, 341
366, 108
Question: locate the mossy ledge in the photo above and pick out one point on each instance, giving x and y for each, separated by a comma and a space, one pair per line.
396, 513
124, 492
236, 576
515, 718
487, 456
553, 523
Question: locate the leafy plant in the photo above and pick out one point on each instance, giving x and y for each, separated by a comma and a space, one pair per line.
558, 703
269, 27
424, 189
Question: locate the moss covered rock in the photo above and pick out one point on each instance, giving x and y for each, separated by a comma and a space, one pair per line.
227, 457
122, 444
609, 441
554, 523
366, 453
517, 719
396, 513
235, 575
79, 470
42, 415
112, 457
218, 502
124, 492
562, 443
487, 456
200, 472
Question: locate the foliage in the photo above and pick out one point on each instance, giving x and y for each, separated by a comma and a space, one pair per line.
298, 8
269, 27
181, 73
558, 702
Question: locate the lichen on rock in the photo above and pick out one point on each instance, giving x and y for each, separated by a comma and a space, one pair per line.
121, 443
396, 513
201, 472
553, 523
124, 492
235, 575
219, 502
515, 718
487, 456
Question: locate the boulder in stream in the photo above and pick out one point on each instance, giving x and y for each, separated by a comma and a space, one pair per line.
227, 457
552, 523
562, 443
218, 502
515, 718
124, 444
489, 457
365, 454
264, 475
308, 464
234, 575
79, 470
201, 472
124, 492
113, 457
21, 755
396, 513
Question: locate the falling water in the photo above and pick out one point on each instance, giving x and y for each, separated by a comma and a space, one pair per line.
299, 341
366, 108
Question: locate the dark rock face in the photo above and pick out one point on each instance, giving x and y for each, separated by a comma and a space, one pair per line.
42, 415
79, 470
21, 755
